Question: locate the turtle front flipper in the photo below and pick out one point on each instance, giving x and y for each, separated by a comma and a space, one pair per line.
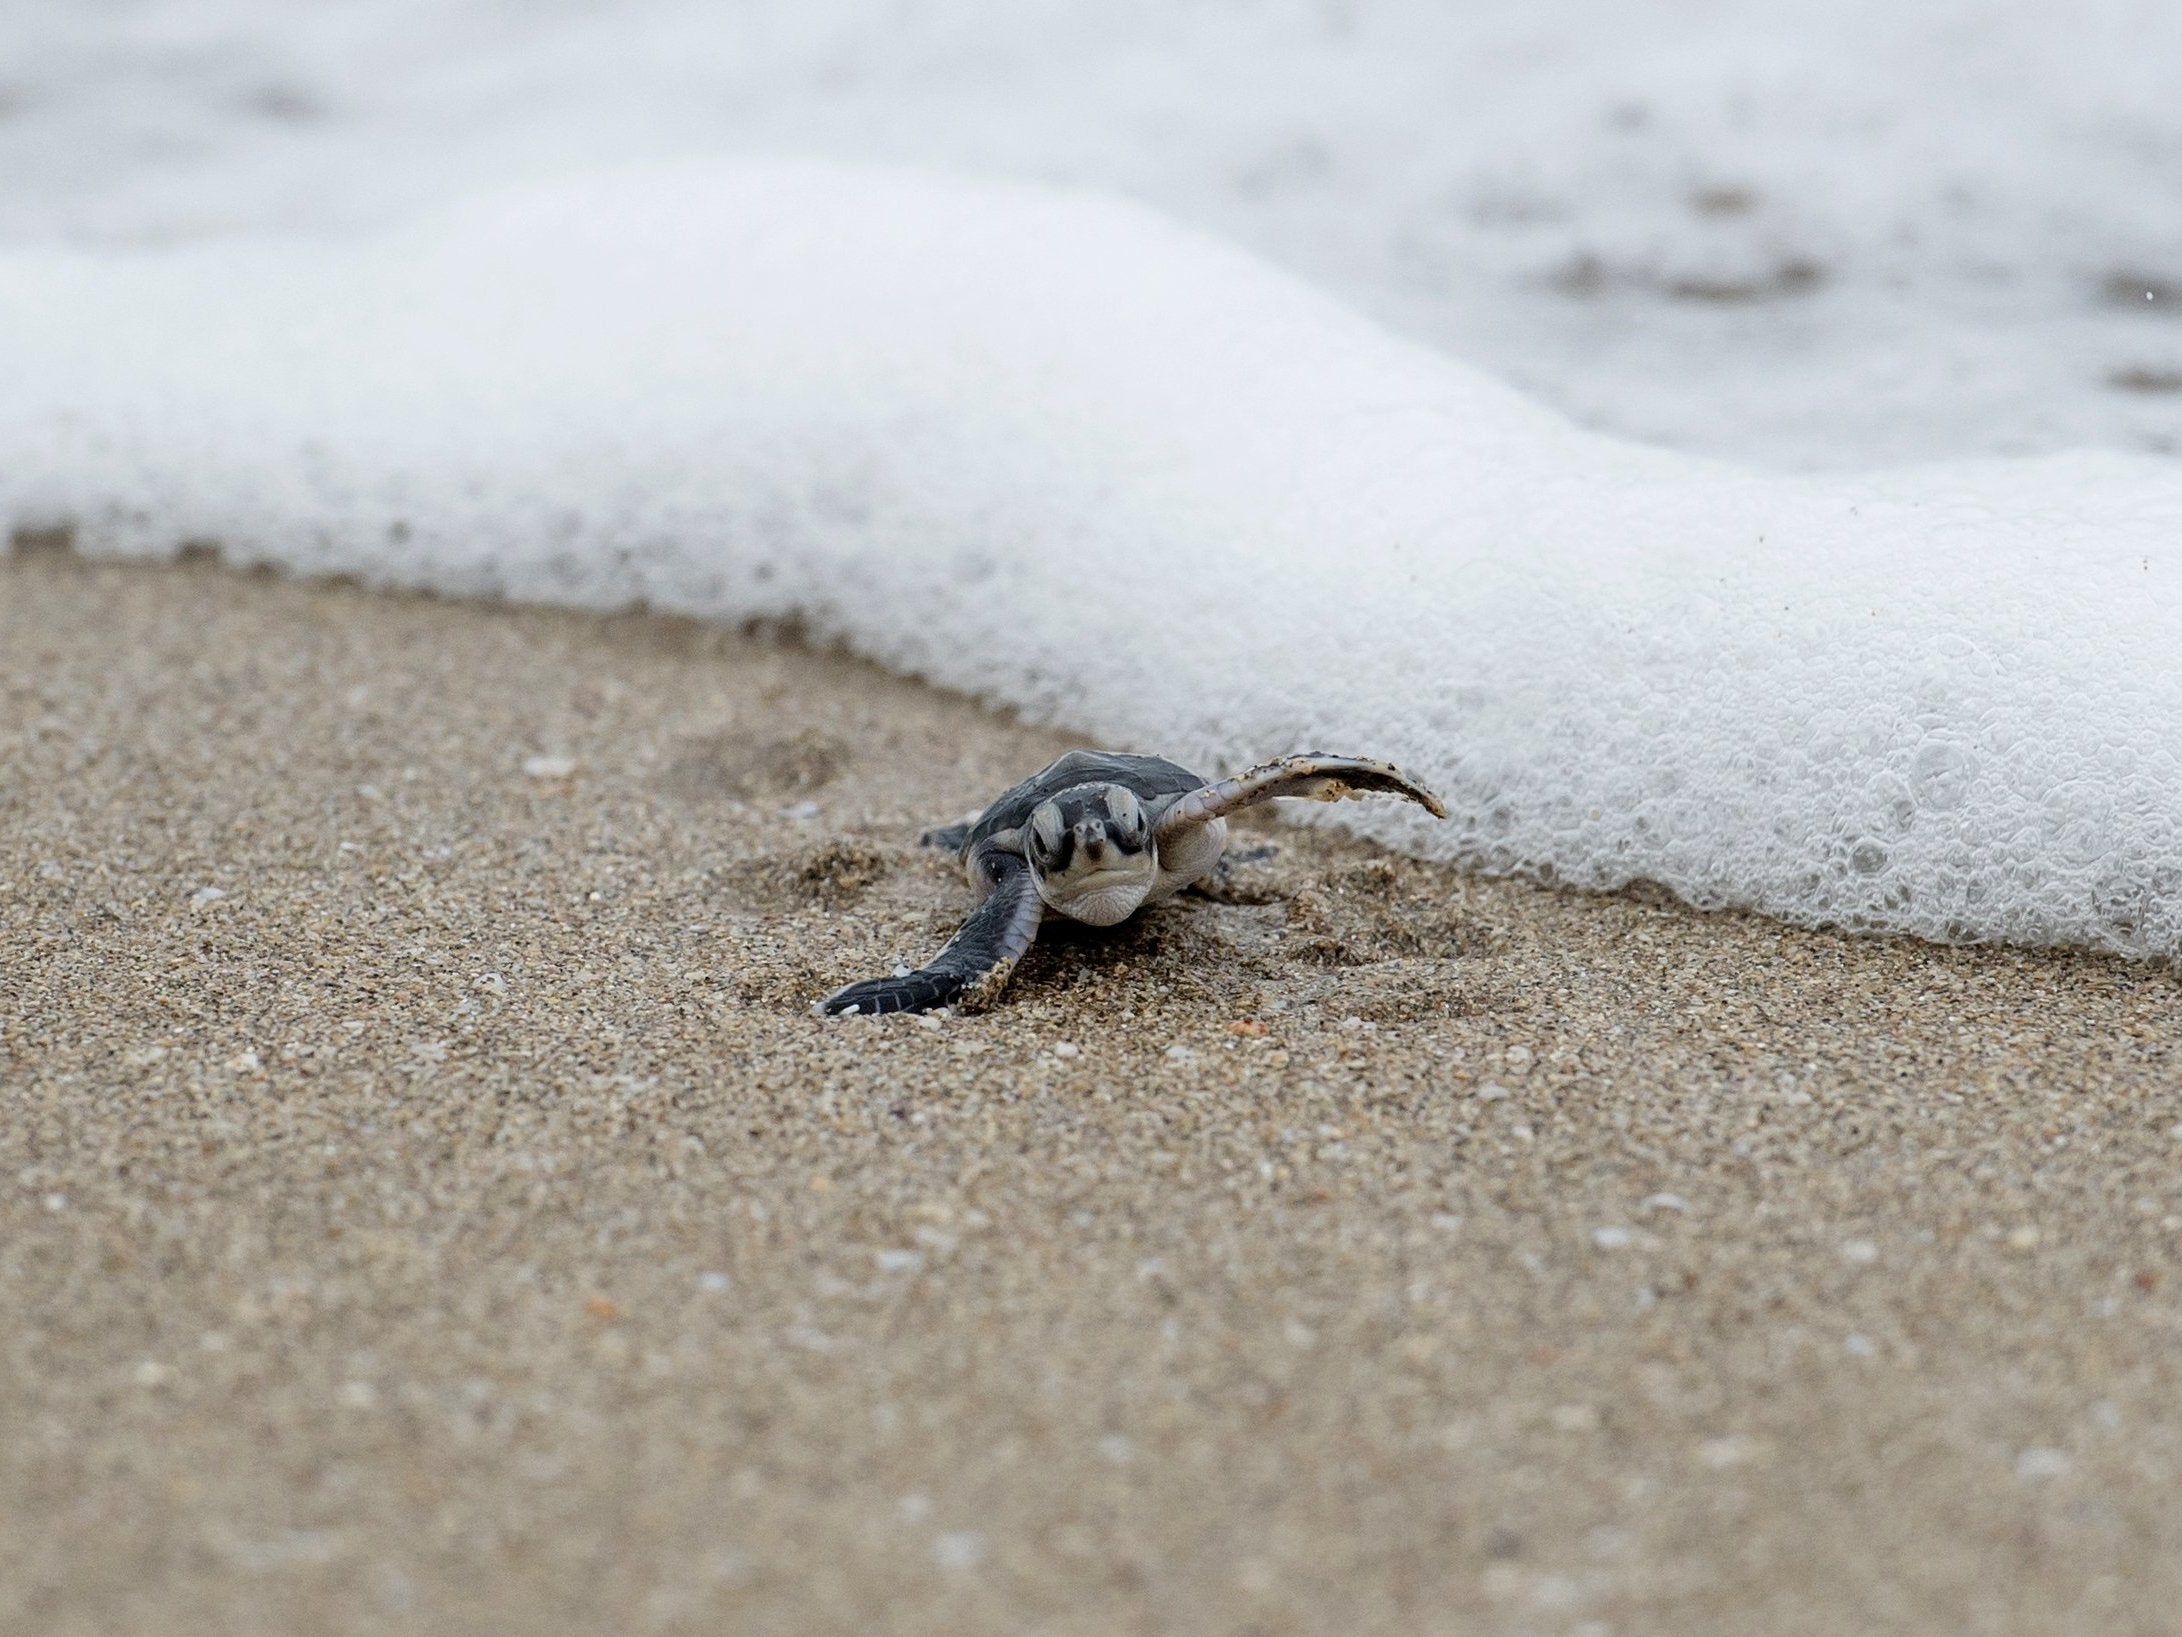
1313, 777
976, 963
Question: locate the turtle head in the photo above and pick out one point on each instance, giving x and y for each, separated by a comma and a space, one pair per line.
1090, 851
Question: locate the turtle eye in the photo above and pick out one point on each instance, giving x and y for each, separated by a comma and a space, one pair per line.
1123, 817
1045, 834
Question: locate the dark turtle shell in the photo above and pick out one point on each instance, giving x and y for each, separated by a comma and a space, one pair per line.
1154, 782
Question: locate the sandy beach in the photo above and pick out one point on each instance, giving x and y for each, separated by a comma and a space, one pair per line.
428, 1204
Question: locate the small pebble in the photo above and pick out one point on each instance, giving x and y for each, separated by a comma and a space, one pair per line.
959, 1549
1666, 1202
549, 767
207, 895
713, 1283
2035, 1464
1860, 1251
1611, 1238
1067, 1048
801, 811
1722, 1453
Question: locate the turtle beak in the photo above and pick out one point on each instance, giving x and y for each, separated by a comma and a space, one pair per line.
1093, 843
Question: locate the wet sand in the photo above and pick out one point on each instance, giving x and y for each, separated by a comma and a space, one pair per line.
427, 1203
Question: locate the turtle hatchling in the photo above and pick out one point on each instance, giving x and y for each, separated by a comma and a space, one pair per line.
1095, 837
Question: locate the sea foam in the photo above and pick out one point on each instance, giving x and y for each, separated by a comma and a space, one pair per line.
1049, 448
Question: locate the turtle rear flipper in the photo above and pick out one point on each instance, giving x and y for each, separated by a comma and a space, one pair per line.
952, 837
976, 963
1312, 777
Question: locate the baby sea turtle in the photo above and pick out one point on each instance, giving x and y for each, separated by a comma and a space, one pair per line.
1095, 837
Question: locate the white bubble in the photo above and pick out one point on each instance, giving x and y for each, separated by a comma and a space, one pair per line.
1941, 774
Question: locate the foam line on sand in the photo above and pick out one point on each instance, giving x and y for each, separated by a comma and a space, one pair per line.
1056, 451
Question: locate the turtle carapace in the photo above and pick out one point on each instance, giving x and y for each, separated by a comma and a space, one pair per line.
1095, 837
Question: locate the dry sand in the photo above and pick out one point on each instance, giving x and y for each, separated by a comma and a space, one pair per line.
426, 1203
